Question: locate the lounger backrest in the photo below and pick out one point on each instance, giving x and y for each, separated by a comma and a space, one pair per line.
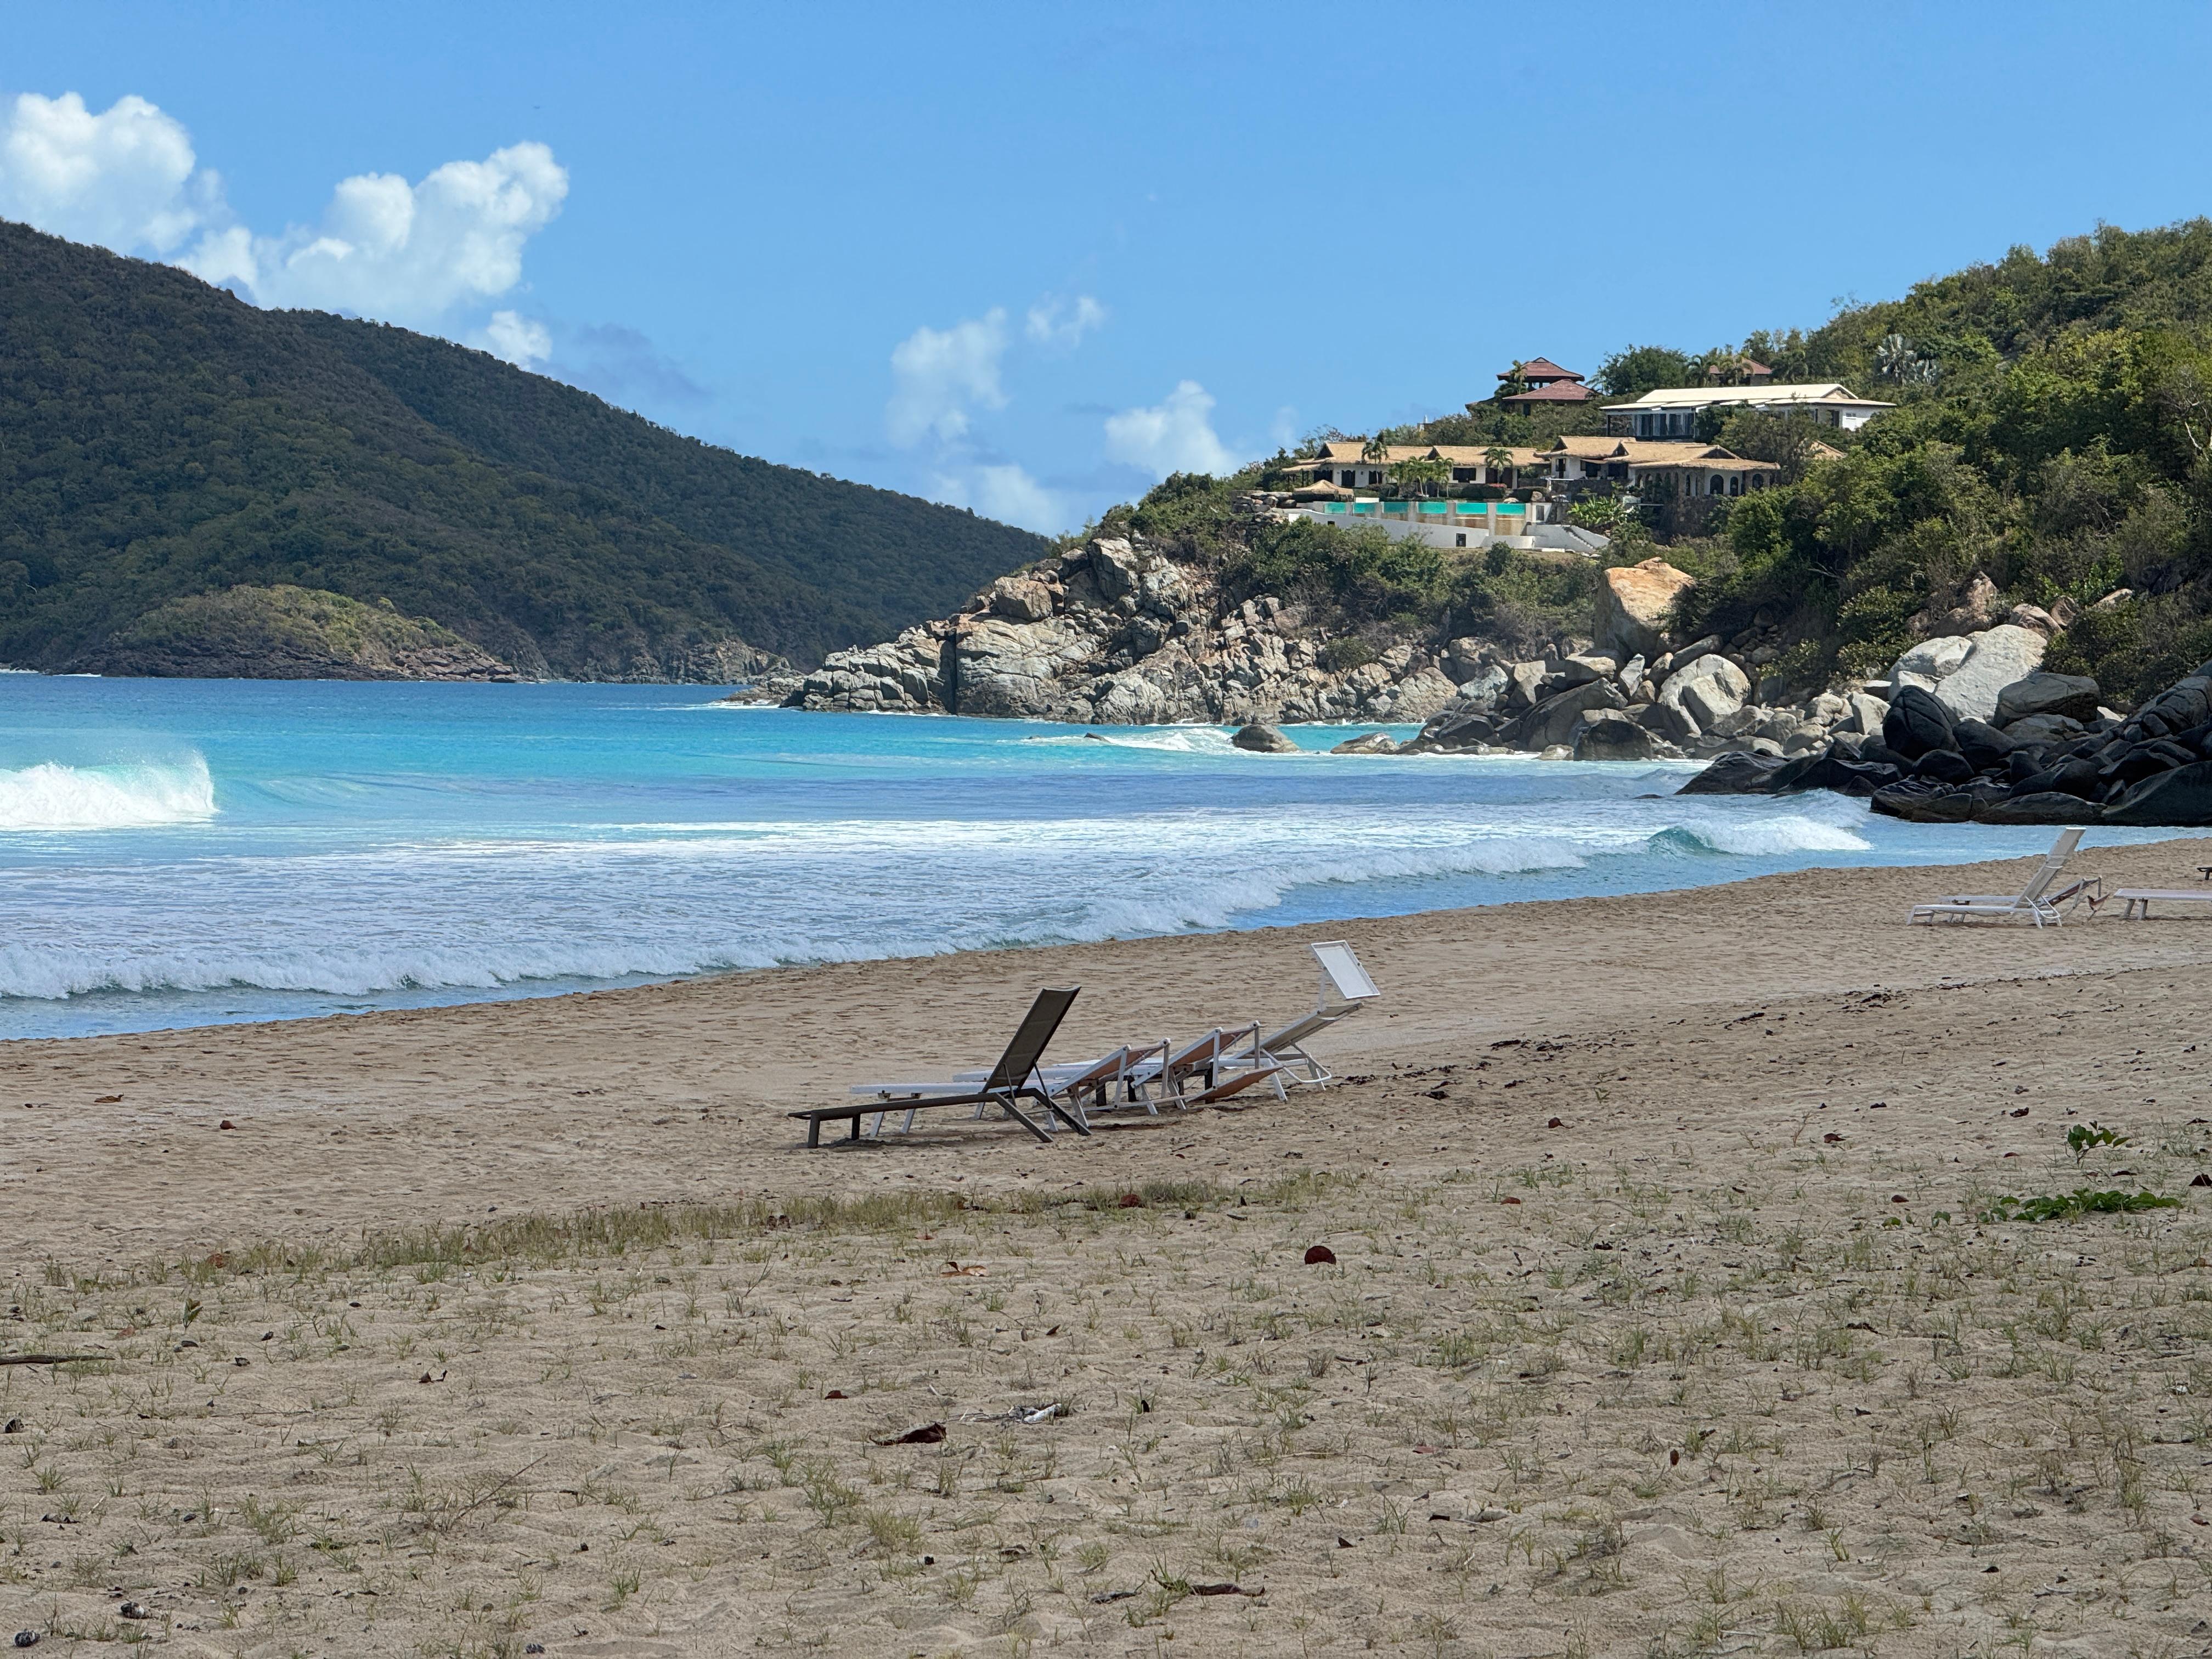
1035, 1031
1344, 972
2053, 862
1299, 1031
1197, 1053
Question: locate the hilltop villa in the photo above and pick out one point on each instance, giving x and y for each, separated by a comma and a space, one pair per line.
1546, 383
1673, 411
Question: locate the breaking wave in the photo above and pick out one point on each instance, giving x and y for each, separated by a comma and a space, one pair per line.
1760, 838
1185, 740
52, 797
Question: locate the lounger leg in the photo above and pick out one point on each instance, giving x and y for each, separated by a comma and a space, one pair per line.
855, 1132
1073, 1119
814, 1131
1026, 1122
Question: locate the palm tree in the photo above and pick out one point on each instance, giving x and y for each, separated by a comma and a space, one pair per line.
1499, 459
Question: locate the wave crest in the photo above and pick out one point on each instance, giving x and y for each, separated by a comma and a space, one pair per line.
50, 797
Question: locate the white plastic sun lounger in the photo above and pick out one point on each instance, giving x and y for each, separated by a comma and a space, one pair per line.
2037, 902
2139, 899
1341, 972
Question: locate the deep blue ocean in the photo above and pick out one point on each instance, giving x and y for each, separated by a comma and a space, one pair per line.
188, 852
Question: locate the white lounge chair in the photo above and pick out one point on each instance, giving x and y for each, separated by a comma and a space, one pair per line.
2038, 902
2139, 899
1341, 972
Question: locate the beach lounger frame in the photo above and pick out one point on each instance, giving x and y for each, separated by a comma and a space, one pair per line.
1013, 1081
2138, 899
1340, 971
2036, 901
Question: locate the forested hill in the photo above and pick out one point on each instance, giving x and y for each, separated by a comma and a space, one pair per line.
161, 438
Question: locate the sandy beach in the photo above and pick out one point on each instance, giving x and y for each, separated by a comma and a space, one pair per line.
1674, 1309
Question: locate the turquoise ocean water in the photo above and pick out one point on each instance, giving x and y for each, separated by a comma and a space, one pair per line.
188, 852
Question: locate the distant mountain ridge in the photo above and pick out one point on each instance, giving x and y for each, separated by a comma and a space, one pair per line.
161, 439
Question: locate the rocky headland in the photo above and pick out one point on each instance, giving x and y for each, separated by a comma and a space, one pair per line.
1966, 725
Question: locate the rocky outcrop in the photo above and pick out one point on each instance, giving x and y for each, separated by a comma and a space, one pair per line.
1930, 765
1116, 632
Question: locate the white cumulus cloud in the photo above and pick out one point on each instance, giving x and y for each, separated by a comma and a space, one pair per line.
939, 373
517, 338
1064, 323
1174, 435
127, 179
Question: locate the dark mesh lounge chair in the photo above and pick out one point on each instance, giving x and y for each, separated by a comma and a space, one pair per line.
1012, 1080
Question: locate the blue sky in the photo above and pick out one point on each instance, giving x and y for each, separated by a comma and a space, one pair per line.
1027, 258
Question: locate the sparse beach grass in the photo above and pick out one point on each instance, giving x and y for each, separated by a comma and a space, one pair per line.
1743, 1387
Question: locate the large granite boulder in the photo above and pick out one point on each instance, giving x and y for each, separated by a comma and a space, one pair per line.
1968, 672
1021, 599
1634, 606
1263, 740
1736, 774
1461, 726
1421, 695
1709, 690
1926, 664
2073, 696
1918, 801
1985, 748
1916, 722
1553, 721
2182, 797
1867, 712
1115, 565
1371, 743
2045, 729
1607, 734
2045, 807
1484, 685
1670, 722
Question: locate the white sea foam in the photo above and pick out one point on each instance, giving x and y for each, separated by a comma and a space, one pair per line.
50, 797
1175, 740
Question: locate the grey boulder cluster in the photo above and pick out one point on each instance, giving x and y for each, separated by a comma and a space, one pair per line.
2051, 754
1696, 700
1116, 632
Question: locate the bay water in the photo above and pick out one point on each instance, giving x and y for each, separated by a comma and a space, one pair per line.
192, 852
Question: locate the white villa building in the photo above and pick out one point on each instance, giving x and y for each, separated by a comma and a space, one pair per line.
1671, 413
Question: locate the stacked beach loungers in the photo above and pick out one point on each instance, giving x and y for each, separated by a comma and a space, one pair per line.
1226, 1062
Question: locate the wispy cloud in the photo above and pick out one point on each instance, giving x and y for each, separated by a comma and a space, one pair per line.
1063, 323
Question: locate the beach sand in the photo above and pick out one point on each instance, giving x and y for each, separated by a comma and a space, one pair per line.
1670, 1311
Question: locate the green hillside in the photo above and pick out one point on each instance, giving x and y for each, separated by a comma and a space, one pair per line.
159, 439
2053, 433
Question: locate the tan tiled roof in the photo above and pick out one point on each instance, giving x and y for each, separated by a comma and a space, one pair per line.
1472, 454
1717, 460
1543, 368
1590, 446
